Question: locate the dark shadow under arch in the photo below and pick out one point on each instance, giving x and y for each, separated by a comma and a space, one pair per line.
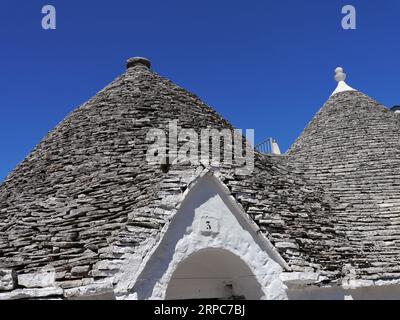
213, 273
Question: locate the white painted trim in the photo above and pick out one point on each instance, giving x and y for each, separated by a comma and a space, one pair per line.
342, 87
268, 246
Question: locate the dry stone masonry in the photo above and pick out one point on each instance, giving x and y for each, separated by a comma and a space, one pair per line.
81, 214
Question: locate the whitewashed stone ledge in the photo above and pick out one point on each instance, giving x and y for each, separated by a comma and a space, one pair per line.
31, 293
95, 291
7, 280
299, 278
359, 283
381, 283
42, 279
355, 284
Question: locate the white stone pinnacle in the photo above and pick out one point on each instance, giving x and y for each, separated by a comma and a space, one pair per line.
340, 77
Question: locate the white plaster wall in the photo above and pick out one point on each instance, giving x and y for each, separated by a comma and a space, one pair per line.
391, 292
315, 293
231, 231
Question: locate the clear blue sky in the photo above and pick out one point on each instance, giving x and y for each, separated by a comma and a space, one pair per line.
266, 65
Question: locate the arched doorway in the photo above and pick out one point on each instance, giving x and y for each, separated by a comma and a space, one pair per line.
213, 274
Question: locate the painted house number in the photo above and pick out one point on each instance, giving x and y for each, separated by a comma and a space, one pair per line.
209, 226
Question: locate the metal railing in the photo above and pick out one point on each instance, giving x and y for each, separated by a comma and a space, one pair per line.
266, 146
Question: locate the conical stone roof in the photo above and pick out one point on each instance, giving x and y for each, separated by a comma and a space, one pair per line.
351, 149
87, 203
80, 182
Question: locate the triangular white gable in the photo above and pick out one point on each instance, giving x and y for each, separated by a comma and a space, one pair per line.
209, 217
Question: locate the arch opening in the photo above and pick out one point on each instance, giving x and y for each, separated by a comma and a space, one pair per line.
213, 274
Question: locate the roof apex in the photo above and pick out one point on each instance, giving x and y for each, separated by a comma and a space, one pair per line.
342, 86
134, 61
